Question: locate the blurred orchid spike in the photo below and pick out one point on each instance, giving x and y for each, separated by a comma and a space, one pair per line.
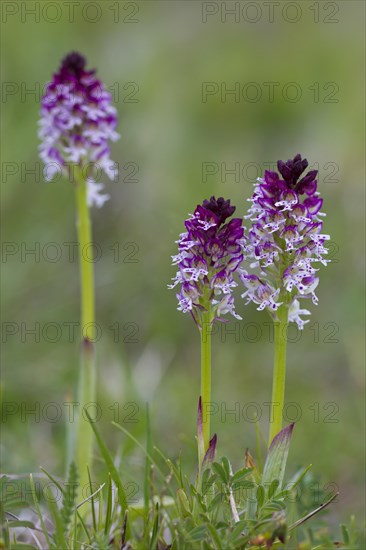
77, 123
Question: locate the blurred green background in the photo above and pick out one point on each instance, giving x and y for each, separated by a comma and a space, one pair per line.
160, 54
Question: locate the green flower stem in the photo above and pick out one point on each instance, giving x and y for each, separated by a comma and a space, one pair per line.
86, 266
87, 376
279, 372
206, 376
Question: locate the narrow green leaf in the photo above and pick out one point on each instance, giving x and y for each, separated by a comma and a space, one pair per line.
155, 530
21, 546
198, 533
241, 474
74, 531
219, 470
20, 523
239, 527
124, 529
54, 480
215, 502
110, 464
138, 444
92, 502
183, 504
38, 509
273, 488
205, 475
12, 503
215, 536
147, 495
275, 465
345, 533
299, 476
244, 484
85, 529
108, 515
260, 494
227, 467
207, 484
59, 534
100, 512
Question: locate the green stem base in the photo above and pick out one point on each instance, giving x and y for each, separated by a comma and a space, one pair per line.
82, 433
279, 372
206, 377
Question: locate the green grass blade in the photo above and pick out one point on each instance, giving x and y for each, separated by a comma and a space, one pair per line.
110, 464
138, 444
59, 535
147, 495
313, 513
92, 502
58, 485
38, 509
155, 530
108, 515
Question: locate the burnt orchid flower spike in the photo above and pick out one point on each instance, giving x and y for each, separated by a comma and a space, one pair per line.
210, 251
77, 123
285, 244
286, 240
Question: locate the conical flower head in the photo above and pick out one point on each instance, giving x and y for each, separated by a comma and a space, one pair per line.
286, 239
210, 251
77, 123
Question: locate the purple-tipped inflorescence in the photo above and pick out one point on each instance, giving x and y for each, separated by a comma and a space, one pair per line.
77, 122
286, 239
210, 251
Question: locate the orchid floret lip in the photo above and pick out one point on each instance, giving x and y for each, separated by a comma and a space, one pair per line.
210, 252
78, 121
286, 238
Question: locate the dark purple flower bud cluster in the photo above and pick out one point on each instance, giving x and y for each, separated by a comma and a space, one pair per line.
285, 240
210, 251
77, 122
